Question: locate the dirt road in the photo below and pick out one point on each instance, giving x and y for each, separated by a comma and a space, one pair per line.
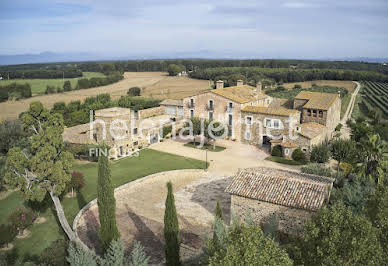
345, 130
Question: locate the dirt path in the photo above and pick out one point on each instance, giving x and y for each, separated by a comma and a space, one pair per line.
345, 130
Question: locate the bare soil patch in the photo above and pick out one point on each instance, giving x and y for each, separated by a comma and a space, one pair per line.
40, 220
26, 233
6, 248
349, 85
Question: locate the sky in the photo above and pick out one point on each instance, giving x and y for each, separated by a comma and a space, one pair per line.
224, 28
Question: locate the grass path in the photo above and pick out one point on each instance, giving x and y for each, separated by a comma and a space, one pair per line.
123, 171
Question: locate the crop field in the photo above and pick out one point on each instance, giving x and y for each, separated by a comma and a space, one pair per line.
375, 96
38, 86
154, 84
349, 85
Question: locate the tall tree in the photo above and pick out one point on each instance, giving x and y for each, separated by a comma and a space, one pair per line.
44, 167
67, 86
171, 230
337, 237
341, 150
106, 204
372, 166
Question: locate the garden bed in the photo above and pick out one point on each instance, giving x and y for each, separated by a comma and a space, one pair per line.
209, 147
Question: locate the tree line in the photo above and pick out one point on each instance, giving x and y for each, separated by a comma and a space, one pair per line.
76, 113
41, 74
15, 91
286, 74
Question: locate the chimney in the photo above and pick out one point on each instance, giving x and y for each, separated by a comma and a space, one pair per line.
219, 84
258, 87
240, 82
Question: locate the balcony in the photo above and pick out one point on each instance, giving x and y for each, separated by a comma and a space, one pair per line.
229, 109
190, 105
209, 107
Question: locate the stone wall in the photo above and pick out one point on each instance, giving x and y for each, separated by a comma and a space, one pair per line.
151, 112
291, 220
220, 110
255, 135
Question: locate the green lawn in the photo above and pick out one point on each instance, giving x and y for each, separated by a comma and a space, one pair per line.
123, 171
345, 103
38, 86
284, 161
208, 146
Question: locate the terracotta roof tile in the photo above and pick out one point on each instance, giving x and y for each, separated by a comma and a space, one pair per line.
172, 102
270, 110
240, 94
317, 100
311, 130
281, 187
288, 144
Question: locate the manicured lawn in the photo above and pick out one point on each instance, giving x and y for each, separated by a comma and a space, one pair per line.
283, 160
208, 146
123, 171
38, 86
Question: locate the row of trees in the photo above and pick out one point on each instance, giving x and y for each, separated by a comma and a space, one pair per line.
41, 73
15, 91
76, 113
85, 83
286, 74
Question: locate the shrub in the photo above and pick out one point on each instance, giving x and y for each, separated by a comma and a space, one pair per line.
21, 219
316, 169
320, 154
7, 233
338, 127
346, 168
77, 181
166, 130
298, 155
297, 86
134, 91
55, 254
277, 151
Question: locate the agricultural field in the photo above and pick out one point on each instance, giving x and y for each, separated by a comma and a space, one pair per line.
38, 86
349, 85
375, 97
151, 82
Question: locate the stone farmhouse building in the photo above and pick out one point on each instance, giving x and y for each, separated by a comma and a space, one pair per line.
122, 129
255, 118
290, 197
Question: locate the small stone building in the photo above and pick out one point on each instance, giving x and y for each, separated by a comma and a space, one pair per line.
291, 197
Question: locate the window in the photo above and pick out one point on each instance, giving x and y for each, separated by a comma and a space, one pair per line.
134, 131
276, 123
258, 102
230, 120
286, 151
248, 135
308, 112
135, 143
191, 113
192, 102
268, 122
272, 123
210, 115
230, 105
297, 129
211, 104
314, 113
320, 113
304, 149
248, 120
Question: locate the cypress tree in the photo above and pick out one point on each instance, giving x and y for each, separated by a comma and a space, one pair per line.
106, 204
219, 211
171, 230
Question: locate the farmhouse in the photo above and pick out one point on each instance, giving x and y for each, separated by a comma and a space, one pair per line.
289, 197
255, 118
122, 129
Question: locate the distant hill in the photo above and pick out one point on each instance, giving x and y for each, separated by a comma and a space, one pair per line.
51, 57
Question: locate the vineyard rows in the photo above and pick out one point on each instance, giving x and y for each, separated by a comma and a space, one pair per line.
376, 96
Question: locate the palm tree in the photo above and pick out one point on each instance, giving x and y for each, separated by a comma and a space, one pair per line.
371, 164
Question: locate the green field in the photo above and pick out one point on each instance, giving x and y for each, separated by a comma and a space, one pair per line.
375, 97
38, 86
123, 171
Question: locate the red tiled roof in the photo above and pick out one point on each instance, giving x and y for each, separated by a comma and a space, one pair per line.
281, 187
